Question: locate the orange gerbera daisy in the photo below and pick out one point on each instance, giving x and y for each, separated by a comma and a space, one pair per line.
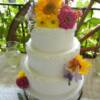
47, 7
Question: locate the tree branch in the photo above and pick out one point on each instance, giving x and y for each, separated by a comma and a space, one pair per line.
91, 33
90, 48
84, 15
13, 27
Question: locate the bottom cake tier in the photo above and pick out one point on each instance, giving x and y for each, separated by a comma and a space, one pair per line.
75, 95
51, 88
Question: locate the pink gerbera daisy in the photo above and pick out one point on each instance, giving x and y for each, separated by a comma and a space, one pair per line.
67, 17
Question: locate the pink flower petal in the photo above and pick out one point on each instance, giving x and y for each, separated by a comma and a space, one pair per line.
67, 17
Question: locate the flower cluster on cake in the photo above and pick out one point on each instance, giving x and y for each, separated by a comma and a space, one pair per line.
78, 66
54, 14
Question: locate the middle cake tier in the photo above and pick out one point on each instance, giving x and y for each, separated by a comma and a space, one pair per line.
51, 64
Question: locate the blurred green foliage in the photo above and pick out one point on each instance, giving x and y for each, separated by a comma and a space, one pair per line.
92, 19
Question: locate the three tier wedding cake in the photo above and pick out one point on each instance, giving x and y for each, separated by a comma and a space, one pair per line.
53, 65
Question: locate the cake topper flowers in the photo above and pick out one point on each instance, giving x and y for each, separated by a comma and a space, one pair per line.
77, 67
22, 82
54, 14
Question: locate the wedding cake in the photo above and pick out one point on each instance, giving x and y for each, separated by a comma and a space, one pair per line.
53, 65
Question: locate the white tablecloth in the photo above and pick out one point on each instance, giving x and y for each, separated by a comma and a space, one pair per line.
9, 93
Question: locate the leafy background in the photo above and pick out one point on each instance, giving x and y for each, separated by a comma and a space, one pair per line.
7, 13
92, 19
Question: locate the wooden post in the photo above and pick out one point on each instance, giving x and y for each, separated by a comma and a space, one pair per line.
90, 48
13, 27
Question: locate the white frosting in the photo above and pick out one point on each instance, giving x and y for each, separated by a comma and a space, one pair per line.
52, 40
48, 50
51, 64
50, 86
71, 96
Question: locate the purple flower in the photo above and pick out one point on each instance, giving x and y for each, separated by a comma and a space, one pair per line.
69, 76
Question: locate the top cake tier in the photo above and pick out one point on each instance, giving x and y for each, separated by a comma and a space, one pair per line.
52, 25
52, 40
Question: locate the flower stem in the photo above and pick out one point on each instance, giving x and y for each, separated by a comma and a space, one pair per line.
26, 97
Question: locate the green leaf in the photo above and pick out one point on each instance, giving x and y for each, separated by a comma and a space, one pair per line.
20, 97
20, 1
89, 16
22, 48
94, 21
83, 30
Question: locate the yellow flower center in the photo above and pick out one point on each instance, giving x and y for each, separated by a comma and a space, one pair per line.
53, 21
42, 22
49, 8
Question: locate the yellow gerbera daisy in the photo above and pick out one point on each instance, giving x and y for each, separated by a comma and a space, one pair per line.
41, 22
85, 65
47, 7
52, 22
79, 64
48, 22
